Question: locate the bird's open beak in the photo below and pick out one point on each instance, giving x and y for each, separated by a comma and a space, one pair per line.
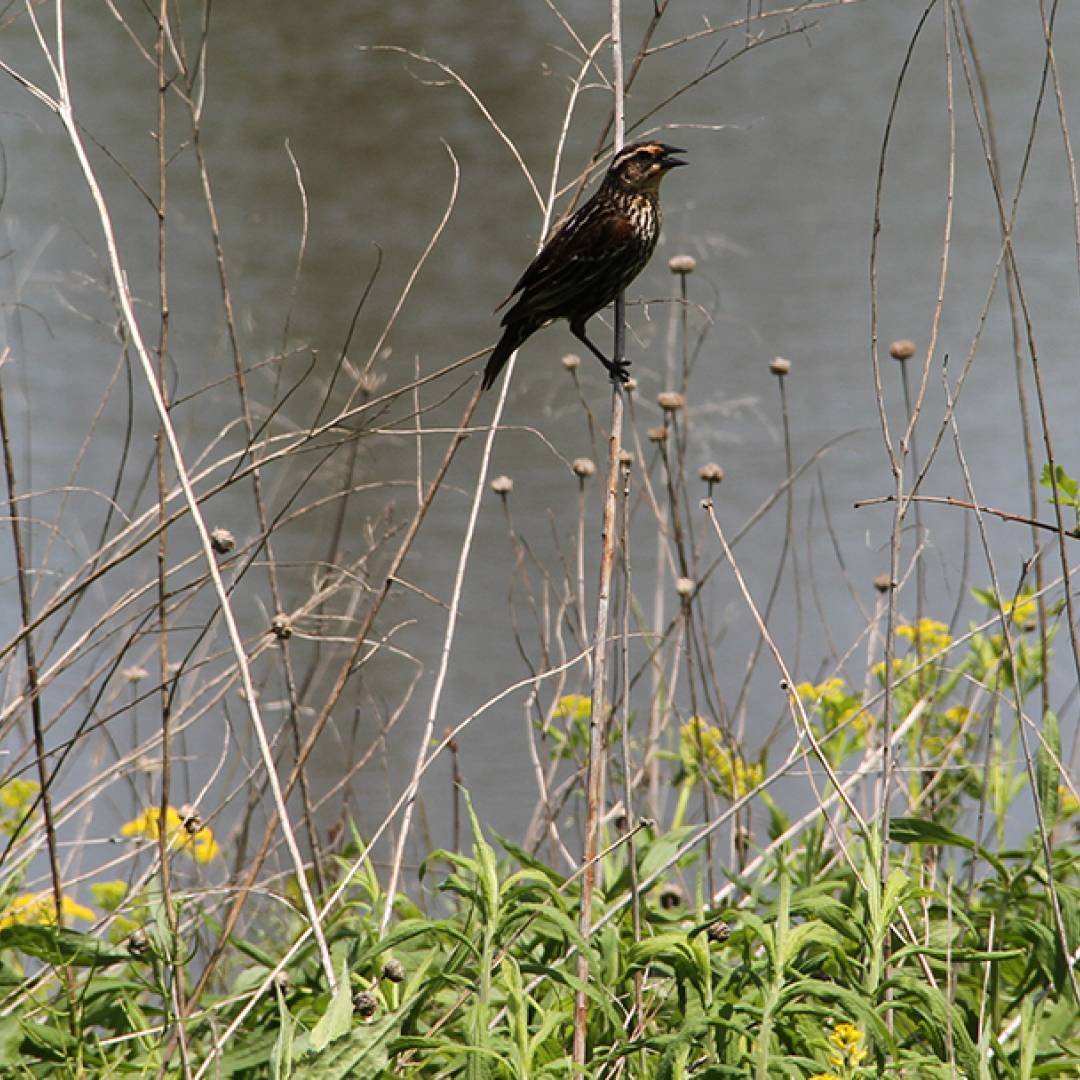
668, 160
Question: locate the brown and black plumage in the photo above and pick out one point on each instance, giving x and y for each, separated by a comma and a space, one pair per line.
592, 256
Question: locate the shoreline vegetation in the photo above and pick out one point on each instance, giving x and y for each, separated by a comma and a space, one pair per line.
859, 859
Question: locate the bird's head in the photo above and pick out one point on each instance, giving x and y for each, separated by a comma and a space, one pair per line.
641, 166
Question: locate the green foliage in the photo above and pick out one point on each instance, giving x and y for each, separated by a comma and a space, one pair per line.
816, 972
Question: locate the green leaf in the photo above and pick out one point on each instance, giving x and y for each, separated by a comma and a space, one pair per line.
908, 830
281, 1060
338, 1016
360, 1055
58, 946
1048, 769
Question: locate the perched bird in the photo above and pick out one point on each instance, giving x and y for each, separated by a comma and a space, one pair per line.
592, 256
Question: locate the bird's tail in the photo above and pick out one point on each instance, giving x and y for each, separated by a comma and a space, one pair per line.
512, 337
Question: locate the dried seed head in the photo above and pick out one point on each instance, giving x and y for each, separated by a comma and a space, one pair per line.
711, 473
394, 970
571, 361
189, 817
222, 541
883, 583
779, 366
369, 382
365, 1003
902, 349
672, 896
682, 264
138, 942
670, 401
657, 434
626, 459
281, 980
583, 468
281, 626
630, 385
134, 673
684, 586
718, 932
502, 485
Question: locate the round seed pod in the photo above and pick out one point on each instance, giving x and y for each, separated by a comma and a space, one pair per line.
502, 485
682, 264
902, 349
365, 1003
779, 366
583, 468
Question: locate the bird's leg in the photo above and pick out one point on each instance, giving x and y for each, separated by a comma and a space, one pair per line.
619, 370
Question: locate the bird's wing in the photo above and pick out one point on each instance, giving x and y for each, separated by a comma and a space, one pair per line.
578, 253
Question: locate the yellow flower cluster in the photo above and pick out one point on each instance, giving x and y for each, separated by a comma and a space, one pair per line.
18, 794
39, 909
824, 1076
836, 703
200, 845
928, 635
731, 774
15, 797
574, 707
846, 1049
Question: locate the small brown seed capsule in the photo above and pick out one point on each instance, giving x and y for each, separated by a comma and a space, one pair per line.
657, 434
630, 385
502, 485
779, 366
583, 468
718, 932
684, 586
190, 819
365, 1003
138, 942
902, 349
626, 459
682, 264
222, 541
394, 970
711, 473
670, 401
883, 583
281, 626
672, 896
134, 673
571, 361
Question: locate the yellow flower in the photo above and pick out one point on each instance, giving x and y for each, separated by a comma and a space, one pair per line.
729, 772
18, 794
846, 1038
109, 895
574, 707
39, 909
929, 635
200, 845
1068, 804
824, 1076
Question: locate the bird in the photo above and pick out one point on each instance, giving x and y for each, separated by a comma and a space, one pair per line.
591, 257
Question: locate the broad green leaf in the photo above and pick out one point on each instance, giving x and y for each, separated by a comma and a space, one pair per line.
338, 1016
61, 946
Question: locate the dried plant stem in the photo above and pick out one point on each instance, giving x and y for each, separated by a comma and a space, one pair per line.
62, 107
594, 777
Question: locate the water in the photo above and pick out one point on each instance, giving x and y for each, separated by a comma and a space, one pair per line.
777, 208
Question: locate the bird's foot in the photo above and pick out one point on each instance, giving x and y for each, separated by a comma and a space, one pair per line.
619, 370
